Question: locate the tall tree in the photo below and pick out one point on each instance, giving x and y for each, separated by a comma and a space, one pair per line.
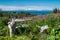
55, 10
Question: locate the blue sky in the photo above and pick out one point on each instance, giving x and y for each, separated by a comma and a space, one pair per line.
29, 4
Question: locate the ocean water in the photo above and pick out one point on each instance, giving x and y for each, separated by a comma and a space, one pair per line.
37, 12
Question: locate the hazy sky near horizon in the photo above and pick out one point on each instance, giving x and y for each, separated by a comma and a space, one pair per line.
29, 4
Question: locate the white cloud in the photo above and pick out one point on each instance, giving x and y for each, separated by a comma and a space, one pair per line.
25, 7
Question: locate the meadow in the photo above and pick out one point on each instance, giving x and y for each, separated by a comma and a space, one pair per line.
31, 32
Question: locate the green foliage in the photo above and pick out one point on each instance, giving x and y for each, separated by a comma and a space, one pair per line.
31, 32
55, 10
3, 27
15, 14
51, 33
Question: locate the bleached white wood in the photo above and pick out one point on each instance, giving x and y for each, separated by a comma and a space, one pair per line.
10, 24
42, 28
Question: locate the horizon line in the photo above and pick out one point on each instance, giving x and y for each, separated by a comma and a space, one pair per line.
9, 8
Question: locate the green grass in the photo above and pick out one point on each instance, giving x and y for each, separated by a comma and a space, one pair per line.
32, 32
